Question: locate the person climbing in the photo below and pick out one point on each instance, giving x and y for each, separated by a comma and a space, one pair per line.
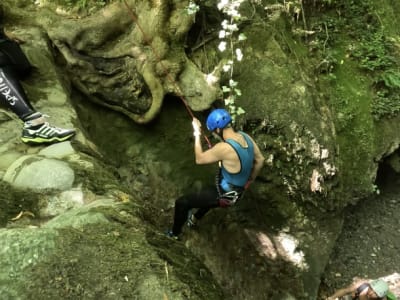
14, 66
240, 160
364, 290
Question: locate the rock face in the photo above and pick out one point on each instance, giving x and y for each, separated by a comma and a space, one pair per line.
86, 218
128, 56
29, 172
83, 254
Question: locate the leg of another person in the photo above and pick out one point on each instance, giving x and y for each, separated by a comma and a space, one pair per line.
36, 129
13, 95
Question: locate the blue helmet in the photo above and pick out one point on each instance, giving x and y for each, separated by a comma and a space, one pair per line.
218, 118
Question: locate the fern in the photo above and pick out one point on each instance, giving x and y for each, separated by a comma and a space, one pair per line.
391, 79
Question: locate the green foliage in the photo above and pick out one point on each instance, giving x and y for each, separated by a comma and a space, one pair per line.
322, 3
346, 113
369, 48
374, 52
387, 100
384, 106
390, 79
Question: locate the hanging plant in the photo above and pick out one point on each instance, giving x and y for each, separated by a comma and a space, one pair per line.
230, 38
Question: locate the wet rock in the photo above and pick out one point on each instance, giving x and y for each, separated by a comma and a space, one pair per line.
63, 202
58, 150
38, 173
6, 159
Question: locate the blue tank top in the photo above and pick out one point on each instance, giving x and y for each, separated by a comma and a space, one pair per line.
246, 157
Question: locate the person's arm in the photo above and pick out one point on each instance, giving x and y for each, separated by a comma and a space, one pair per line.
342, 292
209, 156
258, 162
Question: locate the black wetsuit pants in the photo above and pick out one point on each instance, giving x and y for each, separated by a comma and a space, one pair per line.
13, 95
14, 65
204, 200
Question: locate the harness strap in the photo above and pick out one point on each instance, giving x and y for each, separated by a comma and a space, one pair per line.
229, 198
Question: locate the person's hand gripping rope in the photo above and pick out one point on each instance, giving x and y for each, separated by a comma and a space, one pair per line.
196, 127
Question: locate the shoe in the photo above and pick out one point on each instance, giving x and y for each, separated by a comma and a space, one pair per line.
171, 235
45, 134
191, 221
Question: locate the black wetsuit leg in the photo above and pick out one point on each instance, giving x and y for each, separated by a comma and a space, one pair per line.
13, 95
204, 200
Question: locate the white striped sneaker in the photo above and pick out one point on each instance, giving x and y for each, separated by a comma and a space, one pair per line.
46, 134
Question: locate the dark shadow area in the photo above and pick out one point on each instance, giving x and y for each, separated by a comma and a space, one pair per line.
388, 175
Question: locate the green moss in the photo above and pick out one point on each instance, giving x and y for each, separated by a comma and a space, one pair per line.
350, 97
356, 41
83, 3
99, 179
13, 201
115, 261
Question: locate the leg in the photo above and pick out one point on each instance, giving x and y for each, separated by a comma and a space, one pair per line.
36, 129
204, 200
13, 95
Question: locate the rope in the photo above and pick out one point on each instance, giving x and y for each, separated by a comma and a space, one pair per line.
158, 59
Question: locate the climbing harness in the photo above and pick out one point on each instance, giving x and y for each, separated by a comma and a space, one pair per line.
227, 198
158, 59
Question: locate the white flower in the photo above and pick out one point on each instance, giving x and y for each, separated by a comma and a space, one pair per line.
222, 4
239, 54
224, 24
222, 46
192, 8
232, 83
222, 34
233, 13
233, 27
226, 68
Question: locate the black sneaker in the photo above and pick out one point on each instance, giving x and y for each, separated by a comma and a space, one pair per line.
45, 134
171, 235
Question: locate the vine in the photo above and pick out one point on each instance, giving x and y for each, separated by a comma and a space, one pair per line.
230, 38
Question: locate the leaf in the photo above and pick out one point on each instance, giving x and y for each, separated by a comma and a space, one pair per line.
240, 111
238, 92
232, 83
225, 89
242, 37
